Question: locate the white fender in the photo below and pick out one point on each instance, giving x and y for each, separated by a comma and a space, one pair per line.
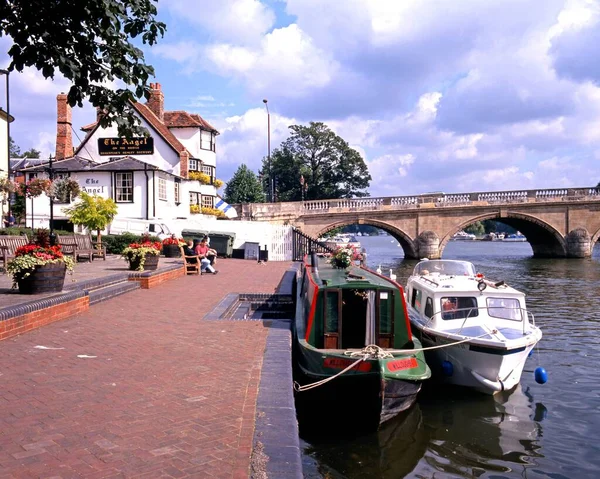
492, 385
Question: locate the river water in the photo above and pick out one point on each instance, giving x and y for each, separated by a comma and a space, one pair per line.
535, 431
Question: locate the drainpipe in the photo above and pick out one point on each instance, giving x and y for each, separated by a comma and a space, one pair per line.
153, 194
147, 192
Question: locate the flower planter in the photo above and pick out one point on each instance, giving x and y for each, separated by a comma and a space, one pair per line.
150, 264
48, 278
171, 251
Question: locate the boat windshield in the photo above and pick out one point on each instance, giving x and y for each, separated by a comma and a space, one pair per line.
455, 268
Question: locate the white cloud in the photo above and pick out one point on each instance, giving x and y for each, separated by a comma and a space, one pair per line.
237, 20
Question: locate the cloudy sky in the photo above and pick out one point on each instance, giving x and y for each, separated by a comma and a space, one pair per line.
437, 95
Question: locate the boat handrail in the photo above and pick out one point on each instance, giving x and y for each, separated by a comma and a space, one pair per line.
469, 310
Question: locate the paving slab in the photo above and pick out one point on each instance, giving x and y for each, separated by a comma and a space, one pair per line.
139, 385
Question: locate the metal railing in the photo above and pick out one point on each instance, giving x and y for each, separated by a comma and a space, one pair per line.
302, 244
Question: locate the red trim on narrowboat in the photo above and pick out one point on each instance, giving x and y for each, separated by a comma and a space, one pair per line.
340, 363
400, 364
313, 306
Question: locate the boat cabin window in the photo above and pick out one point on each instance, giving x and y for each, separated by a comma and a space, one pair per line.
429, 307
504, 308
415, 299
331, 312
455, 307
385, 312
455, 268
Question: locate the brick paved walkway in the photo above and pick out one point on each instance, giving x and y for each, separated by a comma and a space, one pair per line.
139, 386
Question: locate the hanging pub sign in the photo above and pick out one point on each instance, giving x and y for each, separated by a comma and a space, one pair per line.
126, 146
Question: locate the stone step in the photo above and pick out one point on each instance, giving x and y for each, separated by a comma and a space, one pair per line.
110, 291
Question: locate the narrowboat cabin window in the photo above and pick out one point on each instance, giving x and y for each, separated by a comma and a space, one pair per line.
385, 312
332, 323
504, 308
459, 308
124, 187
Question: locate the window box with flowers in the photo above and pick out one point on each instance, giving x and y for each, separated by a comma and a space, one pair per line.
142, 256
204, 210
345, 257
205, 179
170, 246
39, 268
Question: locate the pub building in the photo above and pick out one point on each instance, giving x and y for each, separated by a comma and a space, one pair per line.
148, 177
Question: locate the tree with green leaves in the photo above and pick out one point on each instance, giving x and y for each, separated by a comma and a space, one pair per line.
93, 212
244, 187
15, 151
325, 163
91, 43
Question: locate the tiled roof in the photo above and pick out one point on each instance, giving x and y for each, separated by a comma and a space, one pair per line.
183, 119
159, 126
75, 163
126, 163
89, 127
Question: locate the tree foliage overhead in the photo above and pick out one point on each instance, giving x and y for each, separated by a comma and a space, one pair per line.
93, 212
330, 168
90, 43
244, 187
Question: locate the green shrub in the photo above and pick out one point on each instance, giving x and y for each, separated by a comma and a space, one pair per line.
20, 230
115, 244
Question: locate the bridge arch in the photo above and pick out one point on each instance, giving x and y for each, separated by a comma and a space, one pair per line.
545, 240
406, 242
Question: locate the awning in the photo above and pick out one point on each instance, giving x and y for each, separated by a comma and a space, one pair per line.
226, 208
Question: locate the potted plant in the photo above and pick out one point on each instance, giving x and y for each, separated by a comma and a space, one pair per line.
39, 267
142, 256
171, 246
344, 257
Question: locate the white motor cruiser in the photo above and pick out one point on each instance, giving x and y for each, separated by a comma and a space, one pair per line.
480, 332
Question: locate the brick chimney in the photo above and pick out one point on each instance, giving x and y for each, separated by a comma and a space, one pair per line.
184, 161
156, 102
64, 138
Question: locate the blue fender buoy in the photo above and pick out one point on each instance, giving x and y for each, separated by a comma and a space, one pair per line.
540, 375
447, 368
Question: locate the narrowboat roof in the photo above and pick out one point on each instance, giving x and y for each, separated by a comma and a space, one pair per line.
353, 277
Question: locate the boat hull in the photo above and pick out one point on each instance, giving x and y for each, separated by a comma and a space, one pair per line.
486, 369
370, 387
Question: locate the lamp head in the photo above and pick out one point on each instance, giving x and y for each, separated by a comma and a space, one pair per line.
265, 101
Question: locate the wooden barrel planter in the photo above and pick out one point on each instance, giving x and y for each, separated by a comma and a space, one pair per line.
150, 264
171, 251
48, 278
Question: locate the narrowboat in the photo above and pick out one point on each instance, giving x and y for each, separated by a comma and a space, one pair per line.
479, 332
352, 337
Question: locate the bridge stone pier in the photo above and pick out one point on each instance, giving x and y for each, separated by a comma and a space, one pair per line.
558, 223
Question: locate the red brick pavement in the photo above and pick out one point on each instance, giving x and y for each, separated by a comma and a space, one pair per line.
165, 394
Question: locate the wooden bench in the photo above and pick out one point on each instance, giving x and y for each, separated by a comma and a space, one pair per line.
191, 266
82, 246
8, 246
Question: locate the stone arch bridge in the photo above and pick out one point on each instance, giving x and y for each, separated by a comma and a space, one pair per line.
558, 223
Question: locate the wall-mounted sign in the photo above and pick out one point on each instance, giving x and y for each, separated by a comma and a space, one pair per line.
125, 146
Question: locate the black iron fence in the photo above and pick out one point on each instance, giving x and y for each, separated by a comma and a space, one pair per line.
304, 244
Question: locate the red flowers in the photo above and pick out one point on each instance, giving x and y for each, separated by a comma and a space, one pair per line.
50, 252
146, 244
173, 240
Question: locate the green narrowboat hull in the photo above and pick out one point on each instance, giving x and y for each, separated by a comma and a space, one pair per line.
377, 388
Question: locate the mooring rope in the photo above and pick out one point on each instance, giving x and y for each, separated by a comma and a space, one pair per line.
372, 351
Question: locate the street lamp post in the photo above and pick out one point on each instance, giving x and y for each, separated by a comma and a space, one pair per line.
51, 176
6, 73
271, 183
302, 186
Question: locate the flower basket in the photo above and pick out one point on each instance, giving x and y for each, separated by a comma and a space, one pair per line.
150, 263
142, 256
344, 257
171, 250
39, 269
170, 246
48, 278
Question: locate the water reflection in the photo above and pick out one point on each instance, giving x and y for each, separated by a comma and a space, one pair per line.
471, 434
